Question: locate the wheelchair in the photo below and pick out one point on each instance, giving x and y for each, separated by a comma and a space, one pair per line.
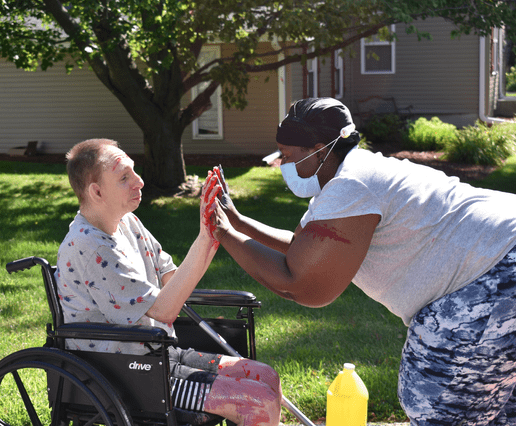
86, 388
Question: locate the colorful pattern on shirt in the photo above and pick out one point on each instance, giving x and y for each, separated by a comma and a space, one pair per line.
110, 278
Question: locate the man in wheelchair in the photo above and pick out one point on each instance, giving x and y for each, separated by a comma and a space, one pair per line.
111, 269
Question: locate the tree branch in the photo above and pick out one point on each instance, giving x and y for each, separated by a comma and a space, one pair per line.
75, 33
200, 104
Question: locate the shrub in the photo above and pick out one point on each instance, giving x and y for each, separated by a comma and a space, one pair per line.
483, 145
429, 135
382, 128
510, 79
364, 143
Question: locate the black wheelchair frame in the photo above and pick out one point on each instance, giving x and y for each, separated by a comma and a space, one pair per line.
86, 388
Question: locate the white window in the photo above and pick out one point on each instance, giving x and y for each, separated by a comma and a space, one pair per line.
378, 56
339, 74
311, 78
209, 124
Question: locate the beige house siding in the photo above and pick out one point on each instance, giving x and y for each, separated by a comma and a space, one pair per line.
438, 77
433, 77
325, 76
59, 110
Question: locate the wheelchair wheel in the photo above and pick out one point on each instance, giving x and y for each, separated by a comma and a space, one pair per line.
34, 383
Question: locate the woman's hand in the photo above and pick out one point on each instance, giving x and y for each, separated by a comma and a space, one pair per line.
230, 210
220, 222
227, 204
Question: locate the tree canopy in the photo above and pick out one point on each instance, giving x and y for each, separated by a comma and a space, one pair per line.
146, 52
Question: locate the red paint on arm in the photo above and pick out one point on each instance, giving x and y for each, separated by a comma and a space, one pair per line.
322, 232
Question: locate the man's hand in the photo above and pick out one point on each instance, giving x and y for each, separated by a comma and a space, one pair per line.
210, 190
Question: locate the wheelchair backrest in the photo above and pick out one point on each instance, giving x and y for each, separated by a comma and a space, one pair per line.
48, 273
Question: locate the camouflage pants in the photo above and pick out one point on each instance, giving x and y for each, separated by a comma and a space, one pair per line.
459, 361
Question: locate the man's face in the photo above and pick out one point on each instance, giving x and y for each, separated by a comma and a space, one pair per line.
119, 184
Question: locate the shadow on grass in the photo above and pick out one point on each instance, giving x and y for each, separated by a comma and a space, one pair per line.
43, 210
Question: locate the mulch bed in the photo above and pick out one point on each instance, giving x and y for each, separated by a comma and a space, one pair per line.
465, 172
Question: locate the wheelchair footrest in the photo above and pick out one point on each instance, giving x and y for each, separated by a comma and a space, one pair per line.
196, 419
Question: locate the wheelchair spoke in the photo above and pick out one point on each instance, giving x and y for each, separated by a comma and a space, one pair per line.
93, 420
34, 418
47, 386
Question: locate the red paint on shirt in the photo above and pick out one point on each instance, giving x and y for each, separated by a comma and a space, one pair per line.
322, 232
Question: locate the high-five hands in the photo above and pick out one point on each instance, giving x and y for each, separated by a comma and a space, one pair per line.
221, 209
209, 201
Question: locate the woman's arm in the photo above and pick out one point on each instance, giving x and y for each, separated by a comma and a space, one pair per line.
319, 264
277, 239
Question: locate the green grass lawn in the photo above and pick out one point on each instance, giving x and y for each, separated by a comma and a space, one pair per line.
306, 346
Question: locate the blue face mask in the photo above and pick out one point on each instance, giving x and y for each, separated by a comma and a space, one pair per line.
309, 187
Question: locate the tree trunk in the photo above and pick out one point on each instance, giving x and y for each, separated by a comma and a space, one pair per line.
164, 167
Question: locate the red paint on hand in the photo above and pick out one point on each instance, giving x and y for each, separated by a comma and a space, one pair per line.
211, 184
209, 199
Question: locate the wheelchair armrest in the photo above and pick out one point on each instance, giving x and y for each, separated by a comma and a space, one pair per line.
223, 298
116, 332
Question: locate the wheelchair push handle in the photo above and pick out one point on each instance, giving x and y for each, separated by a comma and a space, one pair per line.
26, 263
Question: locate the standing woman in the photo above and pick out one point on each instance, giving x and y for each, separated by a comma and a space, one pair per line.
438, 253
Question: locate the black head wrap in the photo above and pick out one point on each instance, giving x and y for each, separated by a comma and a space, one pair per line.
317, 120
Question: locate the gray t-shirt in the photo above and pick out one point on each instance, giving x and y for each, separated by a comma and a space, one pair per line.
110, 279
435, 234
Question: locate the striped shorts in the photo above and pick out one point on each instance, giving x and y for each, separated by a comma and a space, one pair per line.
192, 374
458, 365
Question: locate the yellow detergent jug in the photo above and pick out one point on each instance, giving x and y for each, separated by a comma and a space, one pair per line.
346, 399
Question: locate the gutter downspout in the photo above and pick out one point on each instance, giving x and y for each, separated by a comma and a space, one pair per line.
482, 87
282, 97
